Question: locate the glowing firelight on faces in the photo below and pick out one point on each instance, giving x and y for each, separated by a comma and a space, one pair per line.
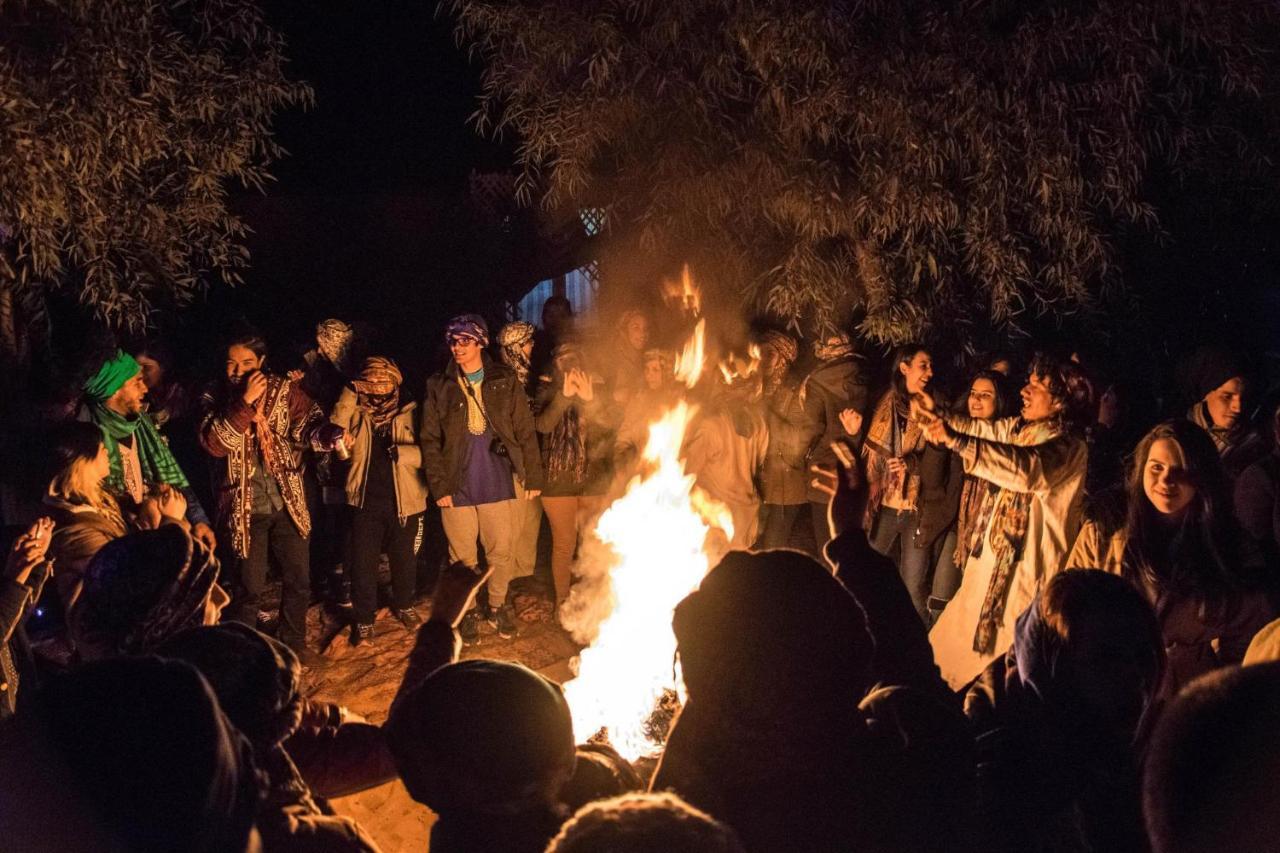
657, 536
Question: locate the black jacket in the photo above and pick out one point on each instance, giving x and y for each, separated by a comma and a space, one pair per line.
444, 426
941, 479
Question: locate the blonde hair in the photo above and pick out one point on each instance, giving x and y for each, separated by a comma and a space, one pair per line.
77, 450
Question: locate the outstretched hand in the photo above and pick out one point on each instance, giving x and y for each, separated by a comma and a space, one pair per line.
455, 589
844, 484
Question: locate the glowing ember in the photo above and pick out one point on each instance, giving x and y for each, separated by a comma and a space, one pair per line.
658, 538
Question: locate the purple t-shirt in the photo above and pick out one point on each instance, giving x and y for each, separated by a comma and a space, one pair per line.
486, 477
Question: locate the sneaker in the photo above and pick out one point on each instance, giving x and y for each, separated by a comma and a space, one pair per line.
506, 622
470, 627
361, 633
409, 618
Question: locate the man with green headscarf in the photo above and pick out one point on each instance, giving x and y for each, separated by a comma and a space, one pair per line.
140, 457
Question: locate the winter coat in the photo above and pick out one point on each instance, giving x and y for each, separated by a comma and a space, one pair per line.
227, 432
829, 389
784, 480
1257, 503
598, 421
1198, 638
443, 434
724, 450
645, 407
79, 532
1034, 459
16, 663
406, 470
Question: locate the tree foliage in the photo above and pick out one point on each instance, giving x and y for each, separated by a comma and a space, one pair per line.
121, 122
928, 166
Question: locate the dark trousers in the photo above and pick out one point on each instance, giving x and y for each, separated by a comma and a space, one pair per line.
776, 522
375, 532
821, 529
278, 533
894, 535
946, 575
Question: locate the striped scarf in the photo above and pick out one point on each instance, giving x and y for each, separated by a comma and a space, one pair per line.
154, 458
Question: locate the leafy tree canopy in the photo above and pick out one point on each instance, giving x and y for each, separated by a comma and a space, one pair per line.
925, 166
120, 123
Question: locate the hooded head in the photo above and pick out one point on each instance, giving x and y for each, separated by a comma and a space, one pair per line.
333, 340
133, 752
1090, 646
256, 679
772, 634
141, 589
1209, 780
483, 737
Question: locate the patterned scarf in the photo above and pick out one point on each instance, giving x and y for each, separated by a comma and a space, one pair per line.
891, 434
1005, 520
512, 339
567, 449
154, 458
832, 347
975, 502
378, 391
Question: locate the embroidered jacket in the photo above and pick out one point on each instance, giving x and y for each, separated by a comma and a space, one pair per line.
284, 424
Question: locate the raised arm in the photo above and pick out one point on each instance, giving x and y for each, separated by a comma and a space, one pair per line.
1000, 430
1037, 468
903, 655
344, 411
221, 427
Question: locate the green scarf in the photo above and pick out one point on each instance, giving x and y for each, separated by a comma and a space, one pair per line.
157, 463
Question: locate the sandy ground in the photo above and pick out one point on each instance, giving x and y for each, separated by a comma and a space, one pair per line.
365, 679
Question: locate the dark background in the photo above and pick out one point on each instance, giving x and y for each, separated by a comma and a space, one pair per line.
368, 218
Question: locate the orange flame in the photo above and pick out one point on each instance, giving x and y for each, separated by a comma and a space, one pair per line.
684, 293
692, 359
659, 540
735, 368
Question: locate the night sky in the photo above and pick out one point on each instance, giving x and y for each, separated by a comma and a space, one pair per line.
358, 223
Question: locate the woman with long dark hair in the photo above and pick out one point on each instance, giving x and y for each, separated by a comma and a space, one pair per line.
892, 451
952, 501
1178, 545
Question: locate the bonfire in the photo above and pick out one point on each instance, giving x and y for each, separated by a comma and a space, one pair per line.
650, 549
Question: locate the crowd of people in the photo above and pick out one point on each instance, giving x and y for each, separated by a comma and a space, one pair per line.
1017, 617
